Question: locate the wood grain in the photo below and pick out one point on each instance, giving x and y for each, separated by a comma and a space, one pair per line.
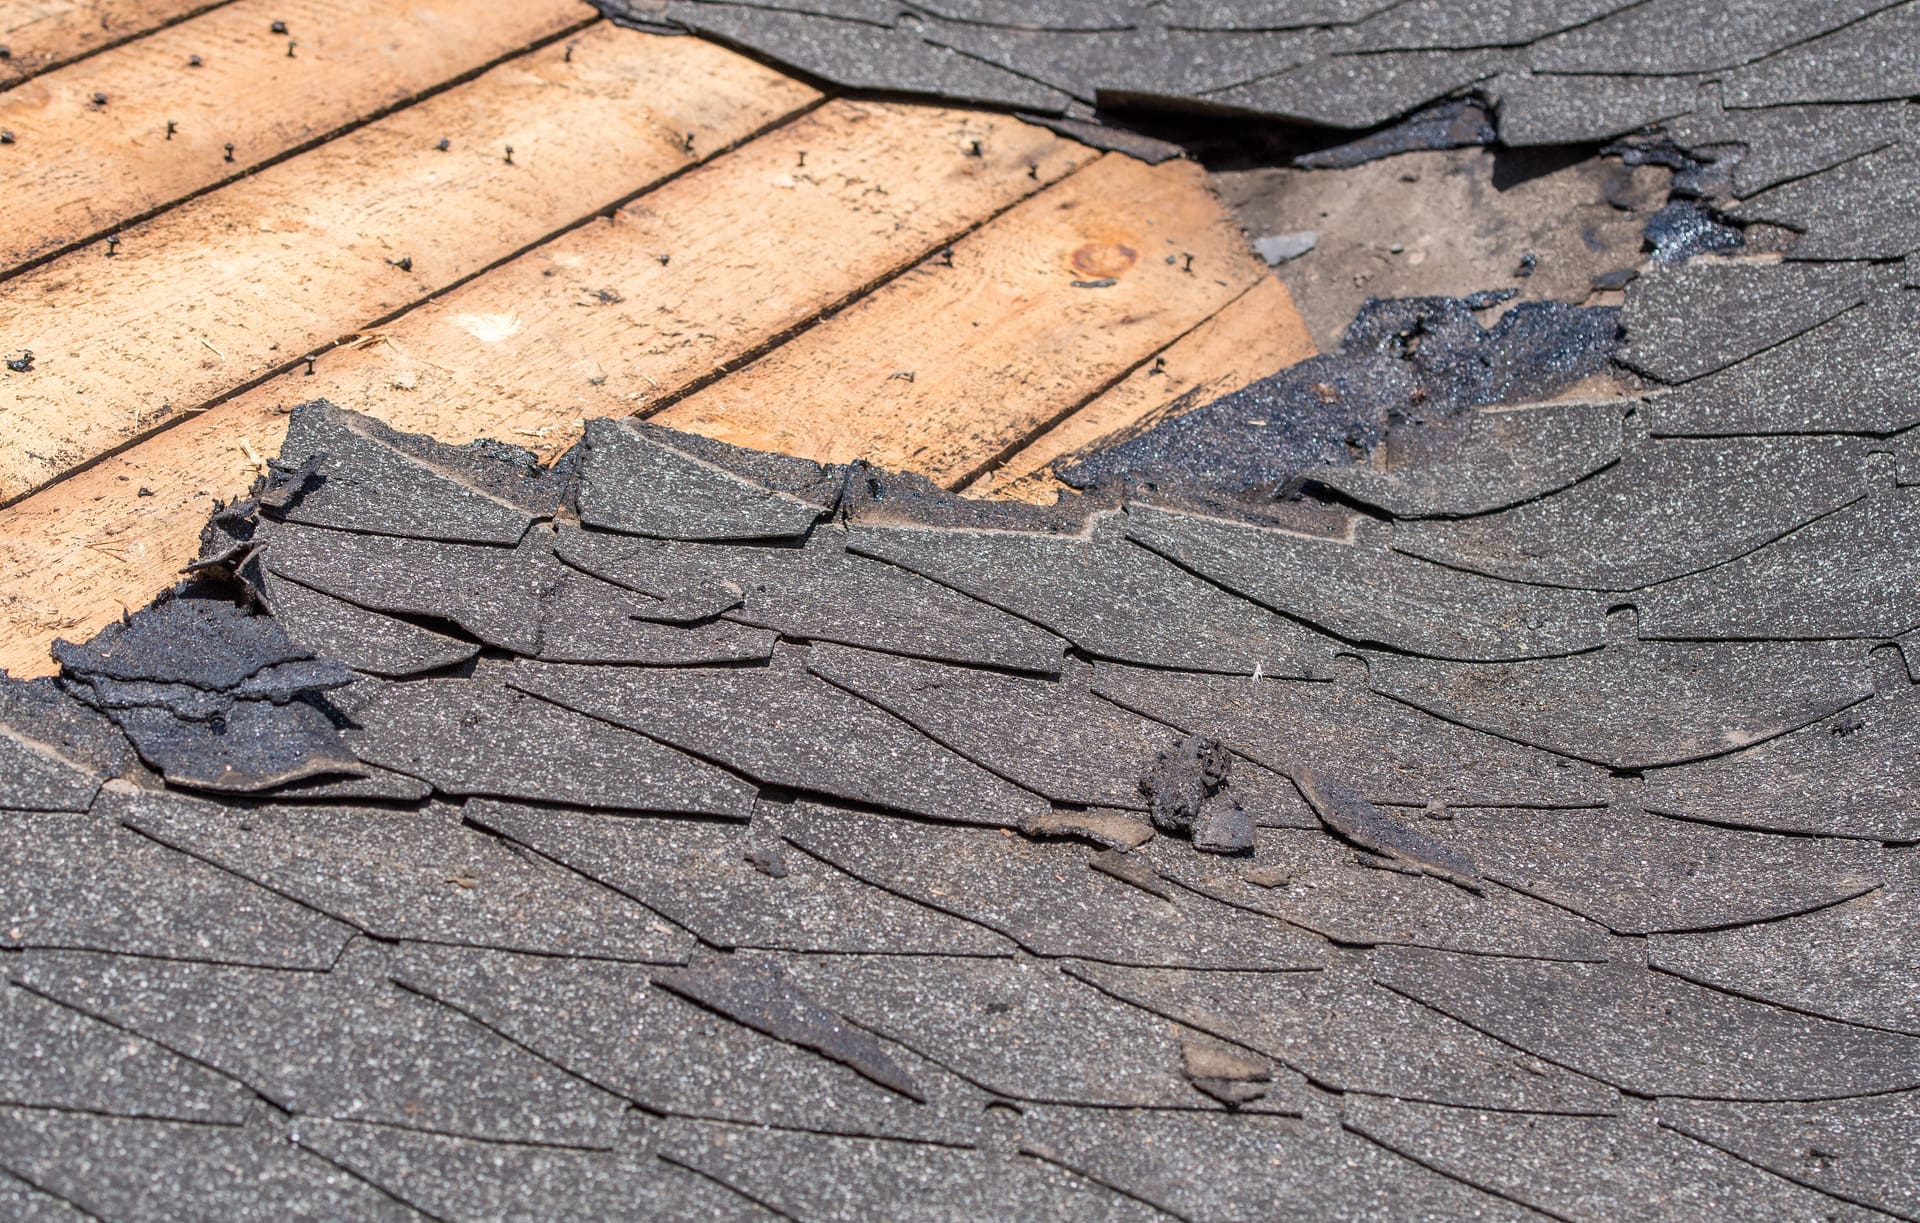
948, 369
236, 285
757, 244
1258, 333
43, 34
77, 168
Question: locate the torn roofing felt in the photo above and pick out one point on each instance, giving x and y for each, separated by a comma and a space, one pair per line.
1403, 789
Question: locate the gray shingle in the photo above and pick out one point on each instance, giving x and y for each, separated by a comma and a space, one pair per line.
1648, 1173
703, 876
1650, 1033
1348, 1035
1387, 751
118, 1168
1110, 597
81, 881
1639, 704
1045, 896
786, 729
478, 736
631, 481
1859, 1150
1666, 509
419, 875
343, 1045
1369, 594
820, 593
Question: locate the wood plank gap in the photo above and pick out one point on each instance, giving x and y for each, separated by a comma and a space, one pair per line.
945, 367
36, 225
17, 69
1045, 426
1256, 334
275, 267
827, 313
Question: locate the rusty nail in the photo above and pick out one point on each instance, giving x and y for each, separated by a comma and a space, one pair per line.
229, 150
509, 154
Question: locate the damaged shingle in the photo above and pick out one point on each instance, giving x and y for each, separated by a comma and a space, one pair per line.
789, 730
631, 481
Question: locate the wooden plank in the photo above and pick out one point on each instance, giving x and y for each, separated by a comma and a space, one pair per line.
948, 369
1258, 333
882, 186
236, 285
43, 34
77, 168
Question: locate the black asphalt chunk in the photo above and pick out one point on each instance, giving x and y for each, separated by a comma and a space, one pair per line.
206, 642
1354, 91
366, 641
706, 878
1675, 37
366, 483
1347, 812
1856, 210
1364, 591
1649, 1172
1484, 460
1843, 376
41, 711
1401, 358
816, 1176
1640, 704
1851, 574
1182, 780
344, 1045
1650, 1033
1788, 142
607, 1024
1051, 736
1850, 962
117, 1168
480, 737
82, 882
52, 1057
586, 620
1280, 1167
819, 593
1640, 874
460, 1178
492, 593
787, 729
630, 481
1544, 109
1852, 774
418, 875
1862, 1151
1111, 598
1022, 1029
1311, 880
1390, 753
1049, 896
36, 776
1868, 61
253, 746
758, 995
1687, 320
1349, 1035
1666, 509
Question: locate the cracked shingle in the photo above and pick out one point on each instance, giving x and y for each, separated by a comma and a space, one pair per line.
786, 729
1367, 593
702, 876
